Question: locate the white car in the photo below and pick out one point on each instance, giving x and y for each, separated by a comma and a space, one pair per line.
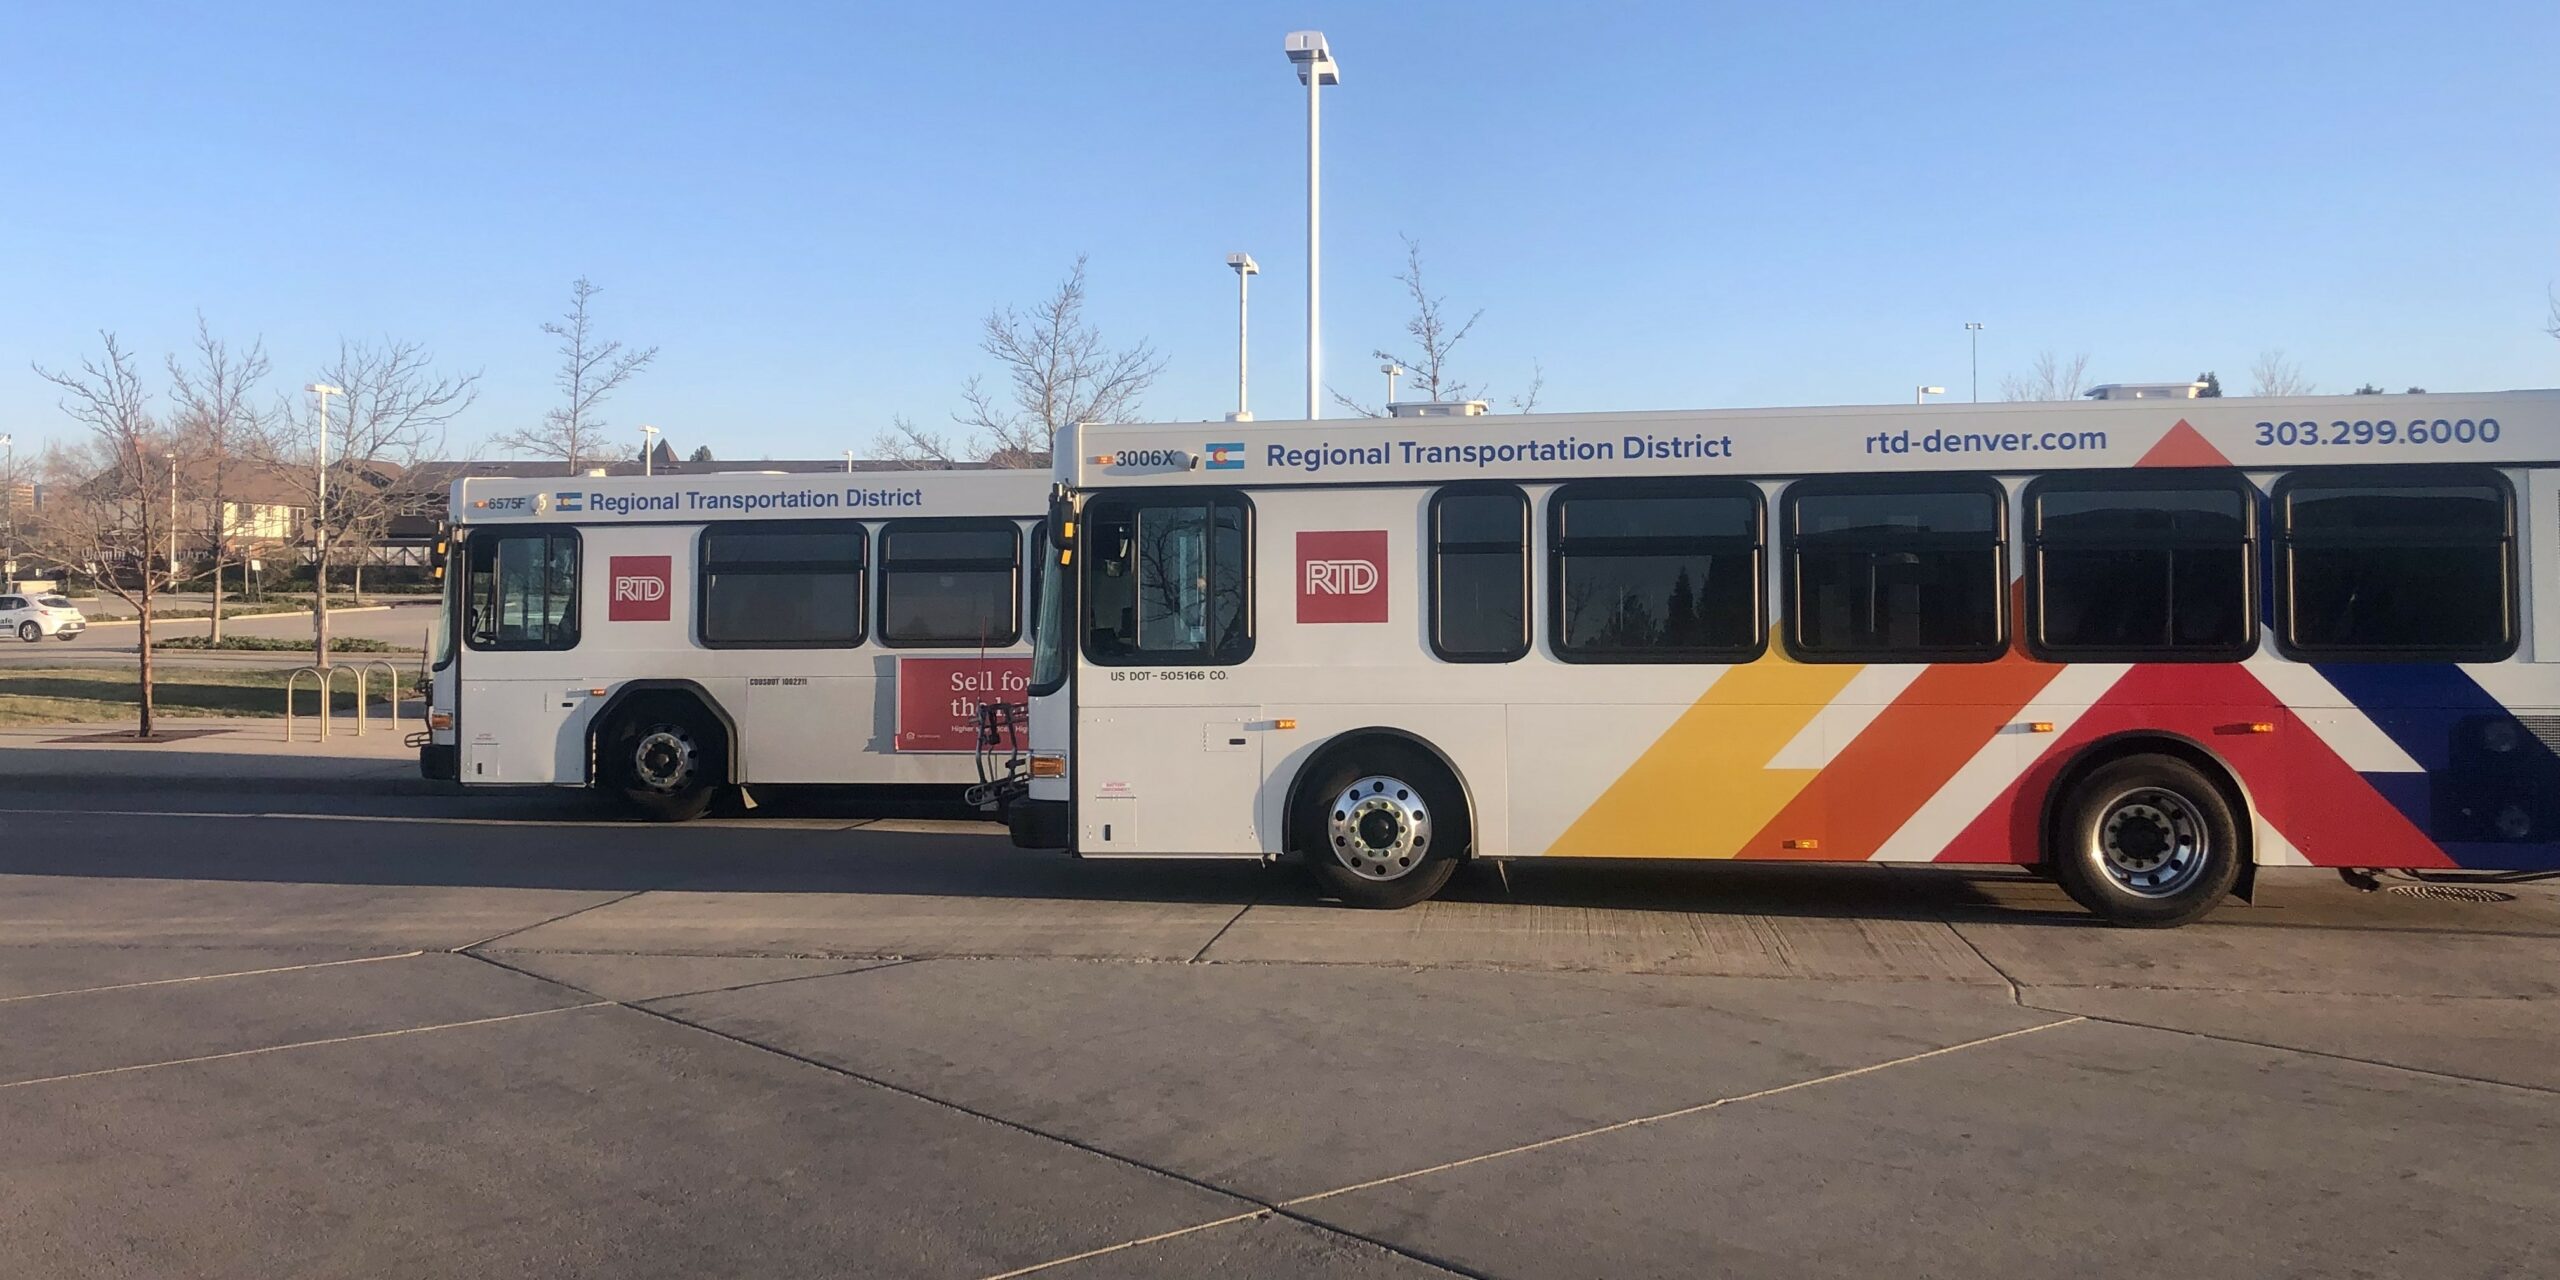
33, 617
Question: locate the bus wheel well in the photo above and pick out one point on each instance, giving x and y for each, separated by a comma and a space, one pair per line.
2105, 751
1379, 745
666, 698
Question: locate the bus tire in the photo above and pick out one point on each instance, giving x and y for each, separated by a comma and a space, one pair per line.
1381, 828
2146, 841
665, 758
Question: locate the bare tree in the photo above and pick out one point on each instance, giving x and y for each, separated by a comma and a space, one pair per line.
218, 432
909, 445
1527, 400
110, 515
394, 415
2052, 378
1058, 371
2552, 326
1435, 332
2273, 375
592, 368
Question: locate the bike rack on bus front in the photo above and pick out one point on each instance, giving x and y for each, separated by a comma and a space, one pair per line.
1001, 726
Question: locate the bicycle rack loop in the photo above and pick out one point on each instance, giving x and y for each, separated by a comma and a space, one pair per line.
326, 682
390, 683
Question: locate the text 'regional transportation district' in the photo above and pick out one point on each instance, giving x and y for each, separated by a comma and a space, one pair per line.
665, 638
2143, 645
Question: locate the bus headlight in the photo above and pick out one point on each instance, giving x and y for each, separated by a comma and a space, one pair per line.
1044, 765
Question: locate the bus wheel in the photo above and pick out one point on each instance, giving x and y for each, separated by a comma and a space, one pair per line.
1380, 834
665, 765
2147, 841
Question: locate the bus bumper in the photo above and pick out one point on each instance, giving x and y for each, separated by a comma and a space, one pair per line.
440, 761
1041, 824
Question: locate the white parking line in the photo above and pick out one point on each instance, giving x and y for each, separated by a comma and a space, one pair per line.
301, 1044
1540, 1145
208, 977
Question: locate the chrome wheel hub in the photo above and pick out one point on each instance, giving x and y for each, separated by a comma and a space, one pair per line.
663, 759
2152, 842
1379, 828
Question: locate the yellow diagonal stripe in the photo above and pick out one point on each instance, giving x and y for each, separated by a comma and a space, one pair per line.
1703, 788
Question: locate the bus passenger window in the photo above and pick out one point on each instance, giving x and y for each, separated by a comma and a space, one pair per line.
950, 582
2405, 564
1655, 571
1480, 573
1167, 581
520, 589
783, 584
1896, 570
2141, 566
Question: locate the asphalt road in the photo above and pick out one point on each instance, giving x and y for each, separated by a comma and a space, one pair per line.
405, 624
263, 1035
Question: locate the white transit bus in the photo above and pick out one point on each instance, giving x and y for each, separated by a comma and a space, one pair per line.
661, 638
2144, 646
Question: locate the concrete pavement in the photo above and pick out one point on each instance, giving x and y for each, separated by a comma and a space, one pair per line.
445, 1036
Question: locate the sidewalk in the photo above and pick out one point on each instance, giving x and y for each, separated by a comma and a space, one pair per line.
217, 754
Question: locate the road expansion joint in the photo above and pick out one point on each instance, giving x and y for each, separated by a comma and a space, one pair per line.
2327, 1054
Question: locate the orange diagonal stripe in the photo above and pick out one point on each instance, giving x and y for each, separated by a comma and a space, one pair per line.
1892, 768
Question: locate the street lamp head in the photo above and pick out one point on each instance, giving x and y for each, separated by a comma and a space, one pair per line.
1933, 391
1244, 264
1391, 369
1312, 57
1974, 325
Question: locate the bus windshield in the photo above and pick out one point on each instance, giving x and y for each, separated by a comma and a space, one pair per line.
1051, 622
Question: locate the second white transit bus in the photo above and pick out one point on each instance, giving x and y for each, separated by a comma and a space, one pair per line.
2145, 646
664, 638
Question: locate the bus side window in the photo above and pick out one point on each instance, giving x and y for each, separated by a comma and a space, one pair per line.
521, 589
2141, 566
1479, 573
1895, 569
2404, 564
1168, 580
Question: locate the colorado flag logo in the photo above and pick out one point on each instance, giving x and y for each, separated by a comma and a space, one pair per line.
1226, 457
569, 501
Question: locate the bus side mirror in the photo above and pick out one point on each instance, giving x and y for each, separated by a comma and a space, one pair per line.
1062, 519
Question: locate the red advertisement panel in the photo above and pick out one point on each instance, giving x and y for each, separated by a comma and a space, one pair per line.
640, 590
938, 698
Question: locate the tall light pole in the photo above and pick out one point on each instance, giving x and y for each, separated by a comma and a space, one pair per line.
1245, 269
1973, 330
320, 538
1921, 394
1393, 371
173, 517
648, 451
1316, 69
9, 510
848, 462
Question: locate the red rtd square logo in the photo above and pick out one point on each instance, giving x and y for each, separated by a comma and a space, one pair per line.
1342, 575
640, 588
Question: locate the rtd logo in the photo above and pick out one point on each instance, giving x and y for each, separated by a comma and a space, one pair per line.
1342, 575
639, 588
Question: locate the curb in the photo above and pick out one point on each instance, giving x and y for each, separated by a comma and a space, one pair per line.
93, 783
95, 623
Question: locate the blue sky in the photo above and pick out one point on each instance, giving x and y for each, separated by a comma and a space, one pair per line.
808, 207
